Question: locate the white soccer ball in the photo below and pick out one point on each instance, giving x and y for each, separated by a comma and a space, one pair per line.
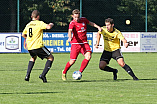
77, 75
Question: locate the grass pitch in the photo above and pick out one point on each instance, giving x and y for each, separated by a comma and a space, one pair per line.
95, 87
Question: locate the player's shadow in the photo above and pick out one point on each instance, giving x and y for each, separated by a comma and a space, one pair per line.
29, 93
88, 81
78, 81
136, 80
149, 79
110, 80
15, 70
20, 70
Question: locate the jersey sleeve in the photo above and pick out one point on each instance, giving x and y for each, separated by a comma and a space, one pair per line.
120, 36
25, 31
102, 32
71, 25
87, 21
43, 25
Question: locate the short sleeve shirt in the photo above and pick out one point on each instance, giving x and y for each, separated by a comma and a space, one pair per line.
79, 30
111, 40
34, 31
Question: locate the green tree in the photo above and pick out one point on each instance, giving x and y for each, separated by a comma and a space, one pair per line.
135, 11
152, 15
56, 11
12, 5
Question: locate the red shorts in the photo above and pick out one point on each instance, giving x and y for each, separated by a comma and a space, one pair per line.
79, 48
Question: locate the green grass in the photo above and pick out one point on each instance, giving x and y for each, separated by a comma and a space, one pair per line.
95, 87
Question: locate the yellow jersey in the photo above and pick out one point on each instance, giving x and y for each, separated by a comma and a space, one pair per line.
34, 31
111, 40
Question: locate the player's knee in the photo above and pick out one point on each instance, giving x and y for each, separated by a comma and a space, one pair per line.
101, 66
122, 64
33, 58
51, 58
71, 62
88, 57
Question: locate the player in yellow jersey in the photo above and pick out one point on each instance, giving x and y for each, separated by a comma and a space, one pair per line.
112, 38
33, 33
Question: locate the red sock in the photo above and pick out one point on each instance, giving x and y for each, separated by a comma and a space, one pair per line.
83, 65
67, 67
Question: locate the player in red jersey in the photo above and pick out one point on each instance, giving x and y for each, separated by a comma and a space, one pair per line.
78, 26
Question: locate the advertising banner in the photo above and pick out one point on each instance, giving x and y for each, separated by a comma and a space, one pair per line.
133, 38
10, 42
148, 42
57, 42
101, 43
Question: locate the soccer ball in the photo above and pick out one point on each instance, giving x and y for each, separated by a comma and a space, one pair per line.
77, 75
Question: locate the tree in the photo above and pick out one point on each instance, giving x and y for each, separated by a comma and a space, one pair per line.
12, 5
135, 10
8, 16
56, 11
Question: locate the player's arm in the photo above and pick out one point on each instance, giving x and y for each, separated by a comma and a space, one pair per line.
24, 35
98, 39
69, 35
125, 42
49, 26
95, 25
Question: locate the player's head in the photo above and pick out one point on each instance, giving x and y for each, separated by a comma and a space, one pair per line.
109, 24
35, 14
76, 15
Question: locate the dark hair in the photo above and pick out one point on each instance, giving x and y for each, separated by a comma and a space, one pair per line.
109, 20
75, 11
35, 13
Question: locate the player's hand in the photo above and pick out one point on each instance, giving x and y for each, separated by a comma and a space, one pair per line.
96, 46
69, 39
100, 29
51, 24
126, 45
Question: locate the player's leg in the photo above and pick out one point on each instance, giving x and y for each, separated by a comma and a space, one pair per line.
67, 67
104, 61
45, 53
75, 48
48, 65
117, 55
126, 68
86, 51
85, 61
30, 65
103, 66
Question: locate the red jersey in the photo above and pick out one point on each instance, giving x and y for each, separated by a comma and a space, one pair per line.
79, 30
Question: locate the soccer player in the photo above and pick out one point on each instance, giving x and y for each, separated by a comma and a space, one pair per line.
33, 33
112, 38
78, 26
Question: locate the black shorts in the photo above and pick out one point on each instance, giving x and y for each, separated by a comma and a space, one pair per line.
41, 52
106, 55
